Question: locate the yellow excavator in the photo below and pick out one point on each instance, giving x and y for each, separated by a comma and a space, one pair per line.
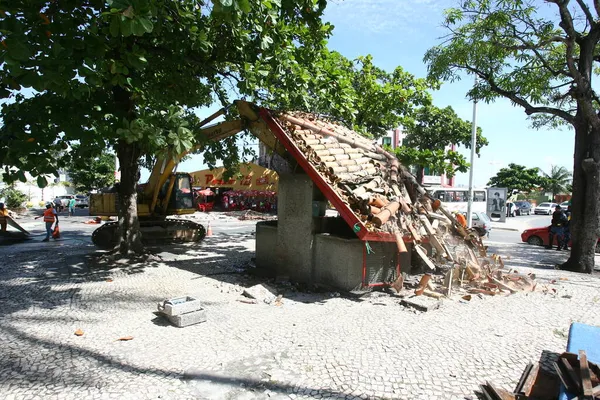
168, 193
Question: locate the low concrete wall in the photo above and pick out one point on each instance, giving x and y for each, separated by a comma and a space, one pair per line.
266, 245
338, 261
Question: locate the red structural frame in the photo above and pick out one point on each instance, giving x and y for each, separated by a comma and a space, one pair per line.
346, 213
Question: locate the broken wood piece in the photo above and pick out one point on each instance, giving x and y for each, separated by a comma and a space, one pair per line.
448, 282
422, 284
398, 284
440, 249
427, 225
413, 232
502, 285
482, 291
419, 250
575, 385
584, 372
432, 294
385, 214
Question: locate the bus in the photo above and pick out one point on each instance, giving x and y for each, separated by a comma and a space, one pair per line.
456, 199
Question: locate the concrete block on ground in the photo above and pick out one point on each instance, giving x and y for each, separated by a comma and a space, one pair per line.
261, 292
179, 305
190, 318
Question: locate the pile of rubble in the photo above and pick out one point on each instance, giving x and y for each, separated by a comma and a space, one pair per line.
386, 197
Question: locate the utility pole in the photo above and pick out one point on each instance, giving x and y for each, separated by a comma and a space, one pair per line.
473, 144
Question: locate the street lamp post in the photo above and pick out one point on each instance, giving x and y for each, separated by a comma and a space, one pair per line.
473, 144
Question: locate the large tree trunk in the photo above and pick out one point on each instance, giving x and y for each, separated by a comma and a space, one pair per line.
584, 224
130, 239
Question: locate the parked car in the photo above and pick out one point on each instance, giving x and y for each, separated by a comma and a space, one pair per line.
565, 204
81, 201
523, 207
511, 209
540, 237
545, 208
480, 222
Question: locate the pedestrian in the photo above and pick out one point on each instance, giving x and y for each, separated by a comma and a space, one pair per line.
58, 204
72, 207
50, 216
559, 220
4, 213
567, 233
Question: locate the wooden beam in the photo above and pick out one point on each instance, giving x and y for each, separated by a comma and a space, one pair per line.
586, 379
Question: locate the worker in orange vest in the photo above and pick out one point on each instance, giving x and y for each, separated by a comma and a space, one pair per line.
50, 216
3, 214
461, 219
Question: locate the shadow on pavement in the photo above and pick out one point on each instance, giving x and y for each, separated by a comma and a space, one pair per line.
90, 379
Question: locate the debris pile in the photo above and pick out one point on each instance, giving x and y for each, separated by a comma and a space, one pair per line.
387, 199
579, 377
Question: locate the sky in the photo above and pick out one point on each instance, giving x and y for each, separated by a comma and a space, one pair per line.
398, 33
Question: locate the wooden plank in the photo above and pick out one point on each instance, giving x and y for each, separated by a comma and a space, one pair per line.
586, 379
571, 375
502, 285
419, 250
432, 294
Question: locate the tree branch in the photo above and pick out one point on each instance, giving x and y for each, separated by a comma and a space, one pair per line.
529, 109
588, 14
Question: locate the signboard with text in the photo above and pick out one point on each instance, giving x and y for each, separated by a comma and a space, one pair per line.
249, 177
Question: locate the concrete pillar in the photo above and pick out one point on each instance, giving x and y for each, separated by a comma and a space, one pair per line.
296, 226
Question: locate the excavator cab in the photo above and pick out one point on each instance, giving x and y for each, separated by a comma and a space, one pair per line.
176, 196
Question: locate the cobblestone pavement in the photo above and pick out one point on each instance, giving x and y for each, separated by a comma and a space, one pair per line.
313, 346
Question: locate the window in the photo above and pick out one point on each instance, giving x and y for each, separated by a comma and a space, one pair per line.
479, 195
460, 196
386, 141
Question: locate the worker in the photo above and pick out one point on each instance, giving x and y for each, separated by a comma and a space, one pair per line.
50, 216
4, 213
461, 219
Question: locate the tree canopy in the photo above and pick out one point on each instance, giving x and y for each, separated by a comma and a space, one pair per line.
518, 177
557, 181
94, 172
429, 135
542, 57
127, 74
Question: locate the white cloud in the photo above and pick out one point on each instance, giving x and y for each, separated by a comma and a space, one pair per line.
403, 17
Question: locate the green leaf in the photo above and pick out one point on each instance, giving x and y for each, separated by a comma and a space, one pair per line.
18, 50
42, 182
114, 26
126, 26
138, 27
244, 5
21, 176
147, 24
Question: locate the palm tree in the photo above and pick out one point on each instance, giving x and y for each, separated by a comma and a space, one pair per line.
558, 180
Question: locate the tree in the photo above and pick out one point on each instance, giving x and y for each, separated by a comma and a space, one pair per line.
14, 198
517, 177
546, 66
127, 74
94, 172
557, 181
427, 139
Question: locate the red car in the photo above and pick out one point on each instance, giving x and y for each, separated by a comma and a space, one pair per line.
539, 237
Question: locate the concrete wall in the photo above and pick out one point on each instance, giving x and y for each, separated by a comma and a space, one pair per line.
295, 226
298, 248
266, 246
338, 261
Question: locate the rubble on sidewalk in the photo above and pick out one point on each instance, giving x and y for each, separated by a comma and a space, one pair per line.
579, 377
262, 293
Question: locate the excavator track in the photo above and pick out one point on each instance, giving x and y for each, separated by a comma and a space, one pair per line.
164, 231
